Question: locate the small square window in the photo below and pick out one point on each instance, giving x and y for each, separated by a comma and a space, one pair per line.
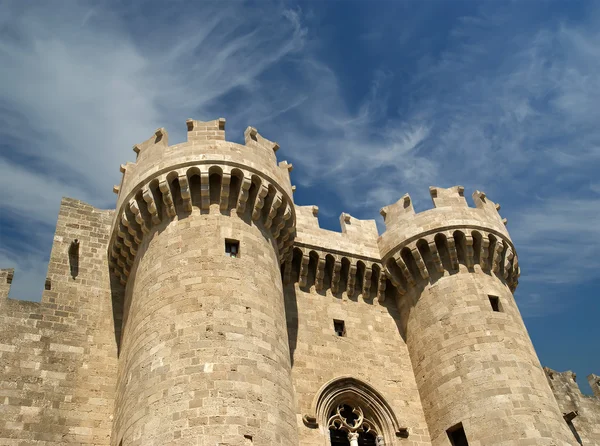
495, 303
339, 327
457, 436
232, 248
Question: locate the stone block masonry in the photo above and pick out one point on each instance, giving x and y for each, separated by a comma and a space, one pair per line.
58, 357
208, 308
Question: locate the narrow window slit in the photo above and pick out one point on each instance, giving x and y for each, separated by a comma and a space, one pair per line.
339, 327
457, 436
495, 303
232, 248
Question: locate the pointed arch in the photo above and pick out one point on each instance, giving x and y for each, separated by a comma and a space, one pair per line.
215, 177
354, 392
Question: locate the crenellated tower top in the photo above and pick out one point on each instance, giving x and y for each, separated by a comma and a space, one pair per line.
203, 170
412, 242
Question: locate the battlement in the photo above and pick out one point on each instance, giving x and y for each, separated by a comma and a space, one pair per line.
445, 202
416, 246
581, 412
566, 382
167, 181
357, 237
594, 381
200, 132
252, 137
205, 144
6, 277
160, 138
343, 262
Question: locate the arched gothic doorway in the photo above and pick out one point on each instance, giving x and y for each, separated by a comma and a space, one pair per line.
349, 412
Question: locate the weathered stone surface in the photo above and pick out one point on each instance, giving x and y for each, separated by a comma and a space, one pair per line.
58, 357
581, 412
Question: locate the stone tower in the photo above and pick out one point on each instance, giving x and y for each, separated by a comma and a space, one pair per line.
199, 232
455, 268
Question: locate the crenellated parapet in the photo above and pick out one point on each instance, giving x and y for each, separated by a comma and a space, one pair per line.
417, 246
580, 411
356, 236
343, 262
6, 278
166, 182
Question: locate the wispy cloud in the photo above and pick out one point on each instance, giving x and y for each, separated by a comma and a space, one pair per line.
491, 102
507, 107
80, 85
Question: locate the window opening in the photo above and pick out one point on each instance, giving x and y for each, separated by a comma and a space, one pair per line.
349, 427
339, 327
232, 248
457, 435
495, 303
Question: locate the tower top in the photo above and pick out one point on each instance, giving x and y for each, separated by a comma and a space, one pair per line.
204, 169
470, 235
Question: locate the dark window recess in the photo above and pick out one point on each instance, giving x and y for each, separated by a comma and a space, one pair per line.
569, 419
495, 303
339, 327
232, 248
457, 435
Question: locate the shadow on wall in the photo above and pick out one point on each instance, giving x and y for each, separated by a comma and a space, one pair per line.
391, 305
117, 292
291, 316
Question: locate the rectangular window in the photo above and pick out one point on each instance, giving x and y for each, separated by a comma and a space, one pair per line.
232, 248
339, 327
457, 435
495, 303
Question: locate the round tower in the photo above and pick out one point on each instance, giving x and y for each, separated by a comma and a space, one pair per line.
479, 378
199, 233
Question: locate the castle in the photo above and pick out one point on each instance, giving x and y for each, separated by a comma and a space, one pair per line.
209, 309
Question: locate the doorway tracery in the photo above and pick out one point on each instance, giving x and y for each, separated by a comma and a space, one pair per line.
349, 427
349, 412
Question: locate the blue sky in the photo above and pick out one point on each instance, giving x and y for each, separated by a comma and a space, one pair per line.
369, 100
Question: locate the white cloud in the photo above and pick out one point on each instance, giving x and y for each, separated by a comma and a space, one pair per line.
78, 89
513, 114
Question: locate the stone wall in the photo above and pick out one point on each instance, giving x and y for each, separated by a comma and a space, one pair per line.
582, 412
371, 351
58, 356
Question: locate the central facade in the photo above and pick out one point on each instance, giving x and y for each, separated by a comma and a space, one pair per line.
209, 309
